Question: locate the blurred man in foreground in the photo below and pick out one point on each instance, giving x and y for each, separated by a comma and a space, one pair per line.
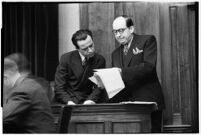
26, 108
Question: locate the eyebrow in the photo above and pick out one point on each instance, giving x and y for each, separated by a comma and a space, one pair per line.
88, 46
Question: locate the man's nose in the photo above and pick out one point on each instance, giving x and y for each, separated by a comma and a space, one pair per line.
90, 49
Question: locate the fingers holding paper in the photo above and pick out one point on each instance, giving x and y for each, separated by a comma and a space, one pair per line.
110, 79
96, 79
119, 69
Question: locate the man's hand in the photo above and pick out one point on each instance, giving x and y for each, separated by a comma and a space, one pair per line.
71, 103
89, 102
100, 83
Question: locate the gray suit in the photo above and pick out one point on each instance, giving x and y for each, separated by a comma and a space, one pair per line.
27, 108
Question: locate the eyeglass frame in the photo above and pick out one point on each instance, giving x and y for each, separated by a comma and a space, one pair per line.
120, 31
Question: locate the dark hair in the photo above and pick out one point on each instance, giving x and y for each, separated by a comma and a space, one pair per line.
16, 59
80, 35
128, 20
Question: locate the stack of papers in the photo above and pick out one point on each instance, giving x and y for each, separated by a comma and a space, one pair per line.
110, 79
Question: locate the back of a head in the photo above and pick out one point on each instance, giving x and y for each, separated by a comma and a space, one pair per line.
10, 66
17, 59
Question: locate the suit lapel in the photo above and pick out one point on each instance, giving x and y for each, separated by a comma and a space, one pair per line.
118, 58
18, 82
78, 69
87, 72
130, 51
77, 64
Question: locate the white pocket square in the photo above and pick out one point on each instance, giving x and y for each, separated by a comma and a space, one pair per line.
137, 51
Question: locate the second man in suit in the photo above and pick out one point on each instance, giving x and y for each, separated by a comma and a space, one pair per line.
136, 58
72, 85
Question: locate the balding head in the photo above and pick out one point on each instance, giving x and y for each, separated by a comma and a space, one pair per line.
122, 21
119, 22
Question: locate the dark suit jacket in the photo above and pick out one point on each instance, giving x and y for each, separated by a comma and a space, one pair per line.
71, 79
139, 71
27, 108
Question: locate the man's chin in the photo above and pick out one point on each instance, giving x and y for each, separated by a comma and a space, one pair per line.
122, 42
89, 56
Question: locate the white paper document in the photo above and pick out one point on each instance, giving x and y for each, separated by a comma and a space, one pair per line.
140, 102
110, 79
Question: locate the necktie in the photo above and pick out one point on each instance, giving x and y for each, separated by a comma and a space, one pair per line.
84, 62
126, 49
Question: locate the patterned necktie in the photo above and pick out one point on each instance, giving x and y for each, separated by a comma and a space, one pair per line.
126, 49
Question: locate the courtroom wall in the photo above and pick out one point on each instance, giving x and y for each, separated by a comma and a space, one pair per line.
68, 23
175, 27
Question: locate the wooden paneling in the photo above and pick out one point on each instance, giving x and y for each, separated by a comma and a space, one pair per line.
89, 127
193, 41
181, 64
61, 118
125, 127
166, 66
111, 118
184, 65
174, 25
100, 17
84, 23
175, 62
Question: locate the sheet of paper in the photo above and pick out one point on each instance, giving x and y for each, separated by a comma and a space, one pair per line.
140, 102
93, 79
111, 80
97, 81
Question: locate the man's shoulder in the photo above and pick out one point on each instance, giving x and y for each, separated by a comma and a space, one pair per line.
68, 54
42, 81
99, 56
144, 37
31, 83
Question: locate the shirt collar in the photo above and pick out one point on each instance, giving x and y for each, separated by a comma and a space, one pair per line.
15, 78
81, 56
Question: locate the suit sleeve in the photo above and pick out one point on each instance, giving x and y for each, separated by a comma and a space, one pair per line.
146, 67
62, 91
97, 92
18, 103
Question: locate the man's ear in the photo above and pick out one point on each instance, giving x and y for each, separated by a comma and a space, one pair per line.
131, 28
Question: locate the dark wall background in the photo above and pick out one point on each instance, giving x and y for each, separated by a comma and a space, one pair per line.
32, 29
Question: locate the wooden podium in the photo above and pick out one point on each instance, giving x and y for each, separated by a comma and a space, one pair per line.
110, 118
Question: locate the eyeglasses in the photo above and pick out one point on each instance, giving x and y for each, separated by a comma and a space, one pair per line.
120, 31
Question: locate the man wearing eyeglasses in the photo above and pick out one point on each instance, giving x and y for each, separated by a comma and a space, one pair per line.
72, 85
136, 59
